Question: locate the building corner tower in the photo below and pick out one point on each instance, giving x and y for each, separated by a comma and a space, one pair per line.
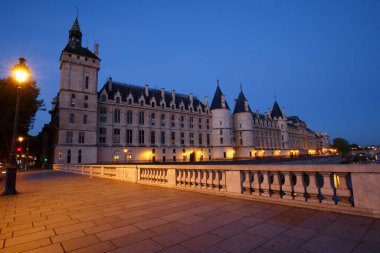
243, 128
75, 108
221, 128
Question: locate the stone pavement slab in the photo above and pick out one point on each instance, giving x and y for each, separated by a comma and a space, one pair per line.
62, 212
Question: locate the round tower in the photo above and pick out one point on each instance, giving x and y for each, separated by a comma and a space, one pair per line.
221, 128
243, 128
278, 115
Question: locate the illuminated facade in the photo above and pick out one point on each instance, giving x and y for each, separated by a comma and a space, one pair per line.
128, 123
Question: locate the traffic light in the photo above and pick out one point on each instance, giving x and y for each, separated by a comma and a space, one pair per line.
19, 149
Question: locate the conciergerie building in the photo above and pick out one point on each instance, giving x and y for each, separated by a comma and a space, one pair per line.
128, 123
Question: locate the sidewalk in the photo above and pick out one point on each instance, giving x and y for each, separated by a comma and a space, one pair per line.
61, 212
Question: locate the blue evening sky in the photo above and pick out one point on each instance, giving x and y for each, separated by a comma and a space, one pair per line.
321, 58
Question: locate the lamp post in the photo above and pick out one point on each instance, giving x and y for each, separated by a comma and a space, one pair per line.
21, 73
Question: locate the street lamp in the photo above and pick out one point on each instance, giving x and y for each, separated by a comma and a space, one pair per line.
20, 73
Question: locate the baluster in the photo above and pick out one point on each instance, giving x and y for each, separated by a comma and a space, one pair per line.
256, 190
327, 191
265, 186
203, 179
178, 177
222, 180
276, 187
287, 187
208, 179
246, 184
193, 178
212, 179
183, 178
342, 190
313, 189
298, 187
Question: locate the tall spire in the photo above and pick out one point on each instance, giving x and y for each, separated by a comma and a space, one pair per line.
75, 35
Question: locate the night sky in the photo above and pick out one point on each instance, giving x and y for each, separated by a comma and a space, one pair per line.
320, 58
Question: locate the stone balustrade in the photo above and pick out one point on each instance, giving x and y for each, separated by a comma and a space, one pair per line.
340, 188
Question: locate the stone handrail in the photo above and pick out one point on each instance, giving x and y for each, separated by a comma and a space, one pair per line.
340, 188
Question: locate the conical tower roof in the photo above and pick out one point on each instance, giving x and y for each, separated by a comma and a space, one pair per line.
276, 111
217, 100
240, 104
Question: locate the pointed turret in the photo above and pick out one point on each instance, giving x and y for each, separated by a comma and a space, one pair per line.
276, 111
219, 100
75, 35
241, 104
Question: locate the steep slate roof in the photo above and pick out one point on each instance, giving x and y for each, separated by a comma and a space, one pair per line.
80, 51
295, 120
276, 111
136, 91
240, 104
217, 100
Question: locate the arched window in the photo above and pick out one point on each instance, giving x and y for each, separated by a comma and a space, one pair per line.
68, 156
79, 156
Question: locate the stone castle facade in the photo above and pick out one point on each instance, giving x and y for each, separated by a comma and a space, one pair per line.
128, 123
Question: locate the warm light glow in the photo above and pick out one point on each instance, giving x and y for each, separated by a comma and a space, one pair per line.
336, 181
20, 139
277, 152
20, 74
311, 152
125, 150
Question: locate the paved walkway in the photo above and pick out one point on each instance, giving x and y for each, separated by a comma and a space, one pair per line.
60, 212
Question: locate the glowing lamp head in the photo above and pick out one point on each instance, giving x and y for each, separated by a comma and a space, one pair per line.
125, 150
21, 72
20, 139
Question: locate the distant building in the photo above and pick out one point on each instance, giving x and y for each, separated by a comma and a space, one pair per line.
127, 123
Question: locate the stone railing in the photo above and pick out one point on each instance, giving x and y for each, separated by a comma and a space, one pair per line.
340, 188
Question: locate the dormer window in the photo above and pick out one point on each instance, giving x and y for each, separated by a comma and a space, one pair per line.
172, 107
142, 102
163, 106
153, 104
191, 109
130, 101
117, 100
181, 108
104, 98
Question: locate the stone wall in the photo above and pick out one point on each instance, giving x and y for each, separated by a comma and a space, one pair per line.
339, 188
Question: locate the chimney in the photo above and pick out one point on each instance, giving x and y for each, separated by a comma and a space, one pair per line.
96, 49
162, 92
257, 113
246, 105
110, 84
173, 94
223, 98
283, 111
206, 101
146, 90
191, 98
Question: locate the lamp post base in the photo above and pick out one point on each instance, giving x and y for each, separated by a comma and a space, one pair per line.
10, 181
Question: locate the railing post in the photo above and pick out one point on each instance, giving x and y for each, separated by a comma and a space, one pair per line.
233, 181
265, 184
172, 177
